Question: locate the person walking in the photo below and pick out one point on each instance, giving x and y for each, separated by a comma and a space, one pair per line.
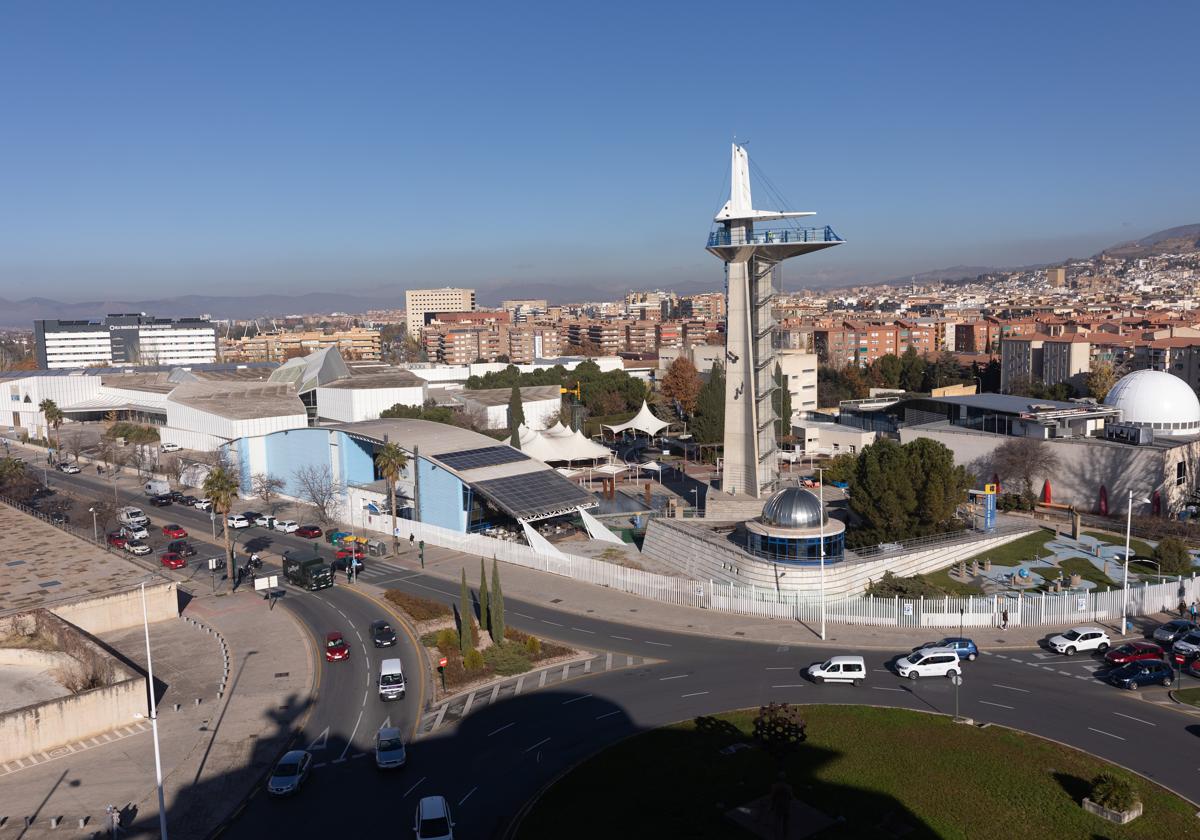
1182, 607
1004, 620
1193, 610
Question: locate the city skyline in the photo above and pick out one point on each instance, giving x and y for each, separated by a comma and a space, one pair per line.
330, 151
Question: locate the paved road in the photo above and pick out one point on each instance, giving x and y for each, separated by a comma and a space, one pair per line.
497, 758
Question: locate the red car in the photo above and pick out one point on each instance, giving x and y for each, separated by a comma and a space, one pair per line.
174, 532
1133, 652
172, 560
116, 540
344, 553
1193, 668
311, 532
336, 647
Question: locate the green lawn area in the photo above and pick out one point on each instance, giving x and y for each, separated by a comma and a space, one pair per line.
1017, 551
942, 580
917, 775
1138, 547
1188, 695
1081, 566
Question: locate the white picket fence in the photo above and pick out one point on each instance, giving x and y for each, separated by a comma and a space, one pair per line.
1028, 609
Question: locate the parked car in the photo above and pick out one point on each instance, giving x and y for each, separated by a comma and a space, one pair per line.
237, 520
382, 634
116, 539
1133, 652
965, 648
849, 669
1175, 630
203, 504
1146, 672
344, 553
170, 447
137, 547
251, 515
182, 547
288, 526
265, 520
69, 469
161, 500
174, 532
1187, 648
59, 518
336, 648
309, 532
135, 532
189, 501
432, 821
389, 748
1192, 669
1079, 638
172, 560
290, 773
176, 496
929, 662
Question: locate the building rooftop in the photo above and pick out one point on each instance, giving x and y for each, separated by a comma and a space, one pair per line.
389, 379
240, 401
501, 396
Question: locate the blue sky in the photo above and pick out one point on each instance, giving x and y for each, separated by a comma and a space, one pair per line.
152, 149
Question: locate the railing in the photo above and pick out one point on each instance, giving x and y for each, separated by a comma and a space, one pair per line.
772, 237
876, 552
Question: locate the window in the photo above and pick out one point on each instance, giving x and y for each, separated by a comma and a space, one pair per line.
1181, 473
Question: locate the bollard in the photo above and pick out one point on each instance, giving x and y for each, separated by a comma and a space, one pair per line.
197, 701
82, 822
54, 821
177, 707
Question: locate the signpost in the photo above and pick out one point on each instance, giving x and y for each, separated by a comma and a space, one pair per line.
442, 671
214, 563
268, 584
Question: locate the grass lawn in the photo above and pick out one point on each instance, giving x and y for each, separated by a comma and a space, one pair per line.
955, 588
1081, 566
1017, 551
1188, 695
1139, 548
888, 772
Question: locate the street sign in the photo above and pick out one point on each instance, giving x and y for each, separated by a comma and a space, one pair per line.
214, 563
955, 679
1081, 603
442, 662
908, 609
266, 582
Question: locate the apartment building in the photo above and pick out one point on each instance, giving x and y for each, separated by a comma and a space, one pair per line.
419, 301
124, 339
355, 343
641, 336
477, 317
669, 334
1066, 358
706, 307
1020, 360
607, 337
799, 371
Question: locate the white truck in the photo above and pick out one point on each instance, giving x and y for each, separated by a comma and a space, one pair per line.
156, 487
133, 517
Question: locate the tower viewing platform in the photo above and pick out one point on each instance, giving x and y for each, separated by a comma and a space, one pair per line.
725, 236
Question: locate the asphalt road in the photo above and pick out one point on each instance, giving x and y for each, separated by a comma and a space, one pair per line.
493, 761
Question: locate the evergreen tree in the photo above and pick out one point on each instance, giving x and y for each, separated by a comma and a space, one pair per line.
708, 425
465, 640
497, 605
484, 620
782, 403
516, 415
888, 368
912, 370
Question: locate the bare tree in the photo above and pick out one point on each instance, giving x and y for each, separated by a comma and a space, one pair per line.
267, 488
106, 514
173, 467
74, 444
315, 485
143, 460
1024, 460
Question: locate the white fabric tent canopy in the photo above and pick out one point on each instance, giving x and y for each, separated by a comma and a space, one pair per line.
561, 444
644, 421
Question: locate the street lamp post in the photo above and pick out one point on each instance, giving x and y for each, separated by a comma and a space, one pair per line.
821, 491
95, 526
162, 808
1125, 582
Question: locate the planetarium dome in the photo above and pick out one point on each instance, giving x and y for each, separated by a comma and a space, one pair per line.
1156, 400
792, 507
790, 530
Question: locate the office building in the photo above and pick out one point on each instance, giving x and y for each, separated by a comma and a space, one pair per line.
419, 301
124, 339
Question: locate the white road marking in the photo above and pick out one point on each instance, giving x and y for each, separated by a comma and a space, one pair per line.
414, 787
350, 740
885, 688
779, 668
576, 699
622, 638
501, 729
881, 670
1011, 688
608, 714
523, 615
693, 694
320, 742
1001, 705
673, 677
552, 623
538, 744
581, 630
789, 685
1131, 717
659, 644
468, 796
1066, 673
387, 721
1109, 734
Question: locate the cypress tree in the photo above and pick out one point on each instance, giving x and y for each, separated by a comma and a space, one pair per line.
782, 405
497, 605
516, 415
465, 642
484, 619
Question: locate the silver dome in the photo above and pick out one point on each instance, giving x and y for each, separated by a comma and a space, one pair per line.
792, 507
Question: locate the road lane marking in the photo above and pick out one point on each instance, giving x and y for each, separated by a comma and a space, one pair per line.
881, 670
693, 694
576, 699
523, 615
1000, 705
1139, 720
779, 667
414, 787
885, 688
1109, 734
322, 764
789, 685
552, 623
673, 677
659, 644
501, 729
538, 744
350, 740
622, 638
1011, 688
608, 714
468, 796
581, 630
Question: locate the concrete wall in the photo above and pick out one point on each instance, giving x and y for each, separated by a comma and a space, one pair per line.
122, 609
441, 498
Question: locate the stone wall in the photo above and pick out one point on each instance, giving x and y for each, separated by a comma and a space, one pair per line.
120, 610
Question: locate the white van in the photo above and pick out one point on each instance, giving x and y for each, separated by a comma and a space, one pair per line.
391, 680
132, 516
848, 669
156, 487
929, 662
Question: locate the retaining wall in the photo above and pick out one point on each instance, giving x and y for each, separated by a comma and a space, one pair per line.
121, 610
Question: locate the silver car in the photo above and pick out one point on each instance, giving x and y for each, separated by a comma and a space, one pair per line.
1188, 647
289, 774
389, 749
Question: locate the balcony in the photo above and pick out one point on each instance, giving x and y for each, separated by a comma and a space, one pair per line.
782, 236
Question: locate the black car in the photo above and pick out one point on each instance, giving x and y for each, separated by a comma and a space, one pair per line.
189, 501
42, 493
182, 547
161, 501
176, 496
59, 518
382, 634
251, 515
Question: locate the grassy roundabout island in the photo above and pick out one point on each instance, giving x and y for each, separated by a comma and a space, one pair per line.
886, 772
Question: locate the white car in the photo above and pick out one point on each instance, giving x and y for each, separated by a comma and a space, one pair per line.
236, 520
287, 526
1080, 638
929, 662
432, 821
170, 447
264, 520
203, 504
1189, 646
136, 547
848, 669
69, 469
135, 532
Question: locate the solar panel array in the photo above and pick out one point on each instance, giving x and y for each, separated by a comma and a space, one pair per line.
488, 456
532, 494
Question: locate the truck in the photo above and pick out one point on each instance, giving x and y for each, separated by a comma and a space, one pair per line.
156, 487
132, 516
311, 573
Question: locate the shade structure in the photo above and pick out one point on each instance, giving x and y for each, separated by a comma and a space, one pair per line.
644, 421
559, 444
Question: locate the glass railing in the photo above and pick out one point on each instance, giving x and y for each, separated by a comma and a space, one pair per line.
771, 237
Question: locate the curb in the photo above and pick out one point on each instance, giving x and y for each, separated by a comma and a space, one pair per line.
585, 656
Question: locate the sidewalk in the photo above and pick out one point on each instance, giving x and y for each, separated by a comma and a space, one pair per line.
213, 753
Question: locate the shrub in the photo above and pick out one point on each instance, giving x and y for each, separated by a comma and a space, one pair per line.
1114, 792
447, 641
507, 659
418, 609
533, 646
890, 586
473, 661
1172, 554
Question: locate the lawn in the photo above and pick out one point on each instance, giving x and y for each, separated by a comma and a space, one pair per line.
887, 772
1077, 565
1138, 547
1017, 551
942, 580
1190, 696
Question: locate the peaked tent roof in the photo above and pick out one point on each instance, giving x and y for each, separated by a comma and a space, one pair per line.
561, 444
644, 421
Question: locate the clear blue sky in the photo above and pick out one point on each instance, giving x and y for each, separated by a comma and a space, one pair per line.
152, 149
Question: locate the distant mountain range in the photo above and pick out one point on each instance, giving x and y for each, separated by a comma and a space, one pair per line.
22, 313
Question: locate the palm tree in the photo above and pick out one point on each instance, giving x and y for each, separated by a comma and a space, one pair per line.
222, 488
54, 418
391, 461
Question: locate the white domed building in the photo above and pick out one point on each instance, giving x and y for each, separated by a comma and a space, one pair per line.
790, 529
1155, 400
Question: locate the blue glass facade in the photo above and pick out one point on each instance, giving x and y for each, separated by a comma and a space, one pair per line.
801, 551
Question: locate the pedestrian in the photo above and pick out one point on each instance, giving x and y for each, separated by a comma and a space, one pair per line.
1182, 607
1194, 610
410, 540
1004, 620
